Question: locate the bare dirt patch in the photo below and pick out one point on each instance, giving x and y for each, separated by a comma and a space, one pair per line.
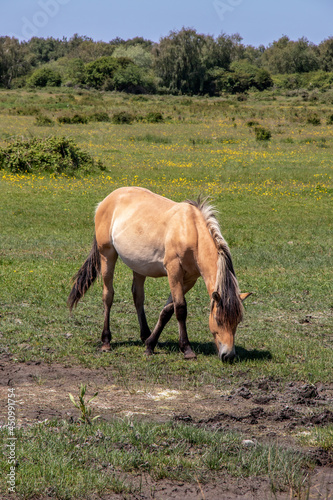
265, 409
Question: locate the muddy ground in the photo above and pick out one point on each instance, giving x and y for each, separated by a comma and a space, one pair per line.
262, 410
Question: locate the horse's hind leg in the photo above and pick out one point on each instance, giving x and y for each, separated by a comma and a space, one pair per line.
108, 261
139, 297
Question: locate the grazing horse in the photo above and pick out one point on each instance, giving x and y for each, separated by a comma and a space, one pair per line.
156, 237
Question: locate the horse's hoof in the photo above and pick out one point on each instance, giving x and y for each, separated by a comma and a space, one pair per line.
106, 348
190, 355
149, 352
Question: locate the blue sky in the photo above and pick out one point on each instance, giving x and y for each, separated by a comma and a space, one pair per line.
257, 21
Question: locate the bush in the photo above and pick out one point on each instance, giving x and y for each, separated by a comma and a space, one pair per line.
242, 77
54, 154
44, 77
99, 116
99, 73
75, 119
313, 119
330, 120
43, 121
154, 117
25, 111
251, 123
262, 80
78, 118
151, 138
133, 80
262, 134
123, 117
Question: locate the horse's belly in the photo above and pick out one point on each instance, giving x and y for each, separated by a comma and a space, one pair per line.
154, 269
140, 254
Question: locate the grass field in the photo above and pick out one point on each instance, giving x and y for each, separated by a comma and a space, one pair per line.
275, 209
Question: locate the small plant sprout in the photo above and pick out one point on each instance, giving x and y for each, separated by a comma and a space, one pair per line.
86, 412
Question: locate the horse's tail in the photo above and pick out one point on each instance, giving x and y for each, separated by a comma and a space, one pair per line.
85, 276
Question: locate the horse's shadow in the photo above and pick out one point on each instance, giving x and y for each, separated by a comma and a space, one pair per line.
209, 349
200, 348
243, 354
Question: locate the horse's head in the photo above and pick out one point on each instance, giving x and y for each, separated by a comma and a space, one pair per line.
223, 322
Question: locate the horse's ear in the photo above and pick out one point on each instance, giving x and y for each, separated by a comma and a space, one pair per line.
216, 297
244, 296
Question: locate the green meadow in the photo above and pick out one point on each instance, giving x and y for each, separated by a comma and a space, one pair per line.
275, 209
274, 202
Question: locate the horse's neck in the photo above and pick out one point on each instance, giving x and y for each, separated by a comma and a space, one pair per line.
207, 258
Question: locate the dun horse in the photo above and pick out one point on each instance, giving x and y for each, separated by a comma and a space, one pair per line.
158, 237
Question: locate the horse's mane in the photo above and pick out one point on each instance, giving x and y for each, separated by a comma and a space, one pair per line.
229, 308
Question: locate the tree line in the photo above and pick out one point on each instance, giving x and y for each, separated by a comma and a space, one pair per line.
184, 62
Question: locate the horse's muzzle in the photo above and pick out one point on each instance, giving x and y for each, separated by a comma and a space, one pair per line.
226, 354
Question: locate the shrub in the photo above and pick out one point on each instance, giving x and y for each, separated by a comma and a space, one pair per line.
43, 77
313, 119
75, 119
78, 118
53, 154
24, 111
151, 138
43, 121
100, 73
64, 119
134, 80
99, 116
262, 134
262, 80
122, 117
242, 97
241, 77
251, 123
154, 117
330, 120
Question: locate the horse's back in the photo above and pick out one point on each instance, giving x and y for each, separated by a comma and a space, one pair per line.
140, 224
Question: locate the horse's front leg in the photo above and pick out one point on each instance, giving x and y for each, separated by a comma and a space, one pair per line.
178, 290
184, 343
165, 316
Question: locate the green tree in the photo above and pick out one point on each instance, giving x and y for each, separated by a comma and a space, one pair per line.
254, 54
179, 61
304, 55
326, 54
139, 40
44, 50
137, 53
14, 60
277, 58
287, 56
